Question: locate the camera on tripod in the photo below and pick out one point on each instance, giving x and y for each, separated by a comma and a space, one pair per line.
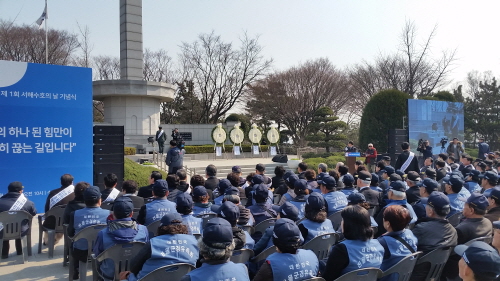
420, 142
443, 141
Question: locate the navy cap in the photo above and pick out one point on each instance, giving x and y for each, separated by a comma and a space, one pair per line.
413, 176
348, 179
438, 200
123, 207
236, 169
495, 193
184, 200
482, 259
261, 191
474, 173
199, 191
389, 170
397, 186
286, 231
478, 200
454, 181
365, 176
160, 187
356, 198
232, 191
290, 211
328, 181
430, 172
496, 224
300, 184
395, 177
400, 173
375, 178
257, 179
217, 231
229, 211
489, 175
316, 201
169, 218
430, 185
92, 193
292, 179
386, 158
288, 174
223, 185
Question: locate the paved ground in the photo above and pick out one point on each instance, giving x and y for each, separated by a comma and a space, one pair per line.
38, 266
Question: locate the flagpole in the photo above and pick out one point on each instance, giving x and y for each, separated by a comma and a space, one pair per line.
46, 37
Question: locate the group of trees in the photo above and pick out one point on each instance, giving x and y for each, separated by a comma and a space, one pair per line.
214, 78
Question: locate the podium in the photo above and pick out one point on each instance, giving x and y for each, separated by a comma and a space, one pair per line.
351, 161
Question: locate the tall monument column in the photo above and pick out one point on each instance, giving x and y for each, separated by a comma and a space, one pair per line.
130, 101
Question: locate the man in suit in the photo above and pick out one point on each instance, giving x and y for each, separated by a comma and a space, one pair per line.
160, 138
407, 160
455, 149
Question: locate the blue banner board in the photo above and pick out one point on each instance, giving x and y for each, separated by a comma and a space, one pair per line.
436, 121
45, 126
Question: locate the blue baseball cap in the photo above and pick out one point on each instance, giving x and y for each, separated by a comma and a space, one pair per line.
489, 175
300, 184
229, 211
199, 190
454, 181
474, 173
478, 200
356, 198
91, 193
348, 179
184, 200
429, 184
388, 170
261, 191
292, 179
233, 190
288, 174
438, 200
123, 207
160, 187
496, 224
375, 178
316, 201
395, 177
328, 181
217, 233
236, 169
286, 231
397, 186
223, 185
169, 218
257, 179
482, 259
290, 211
400, 173
495, 193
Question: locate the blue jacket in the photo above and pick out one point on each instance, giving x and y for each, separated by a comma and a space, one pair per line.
174, 158
216, 272
394, 251
363, 254
484, 148
301, 266
336, 201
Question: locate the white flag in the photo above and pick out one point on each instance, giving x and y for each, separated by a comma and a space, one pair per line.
43, 17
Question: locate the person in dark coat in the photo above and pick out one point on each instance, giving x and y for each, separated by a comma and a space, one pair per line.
130, 189
373, 197
493, 213
175, 158
58, 197
160, 138
212, 182
77, 203
413, 192
413, 166
484, 149
15, 200
147, 191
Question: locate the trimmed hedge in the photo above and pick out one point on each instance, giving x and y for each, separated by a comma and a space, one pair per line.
130, 150
195, 149
472, 152
331, 161
139, 173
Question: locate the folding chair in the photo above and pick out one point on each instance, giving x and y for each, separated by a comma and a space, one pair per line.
12, 229
454, 219
90, 234
153, 228
241, 256
172, 272
336, 219
57, 213
260, 258
321, 244
364, 274
403, 268
276, 199
120, 254
263, 225
437, 259
247, 228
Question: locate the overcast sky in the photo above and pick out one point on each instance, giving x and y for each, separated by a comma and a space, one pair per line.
291, 31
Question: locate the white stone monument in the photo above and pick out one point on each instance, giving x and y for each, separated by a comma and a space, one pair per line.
131, 101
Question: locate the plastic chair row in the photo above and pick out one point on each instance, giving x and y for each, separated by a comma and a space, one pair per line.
11, 225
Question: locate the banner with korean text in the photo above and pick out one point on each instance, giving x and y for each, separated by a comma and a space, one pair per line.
45, 126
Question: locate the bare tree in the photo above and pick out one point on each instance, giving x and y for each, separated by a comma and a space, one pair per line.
411, 69
221, 72
106, 68
84, 58
158, 66
27, 43
293, 96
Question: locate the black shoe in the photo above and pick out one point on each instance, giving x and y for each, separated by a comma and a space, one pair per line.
76, 275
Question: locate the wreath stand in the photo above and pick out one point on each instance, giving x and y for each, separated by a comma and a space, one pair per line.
222, 150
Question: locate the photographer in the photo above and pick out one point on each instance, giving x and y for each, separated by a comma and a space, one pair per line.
176, 135
425, 149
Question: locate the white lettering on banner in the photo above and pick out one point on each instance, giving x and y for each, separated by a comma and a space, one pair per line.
37, 132
43, 147
37, 95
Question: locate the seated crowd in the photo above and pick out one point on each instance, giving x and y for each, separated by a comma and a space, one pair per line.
384, 216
